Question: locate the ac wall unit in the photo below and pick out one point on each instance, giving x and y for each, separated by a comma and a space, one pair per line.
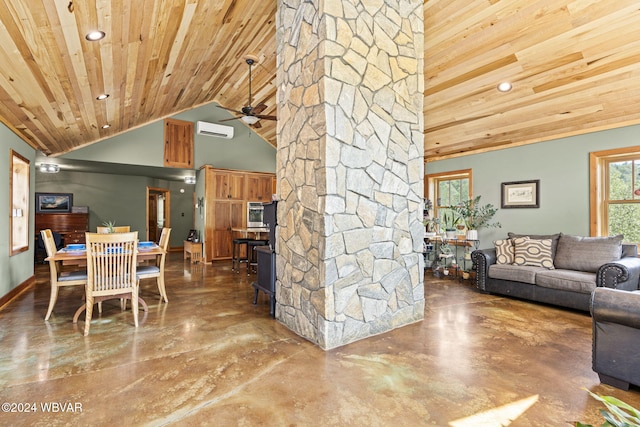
214, 129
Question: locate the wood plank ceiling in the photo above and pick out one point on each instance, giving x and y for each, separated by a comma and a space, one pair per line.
574, 66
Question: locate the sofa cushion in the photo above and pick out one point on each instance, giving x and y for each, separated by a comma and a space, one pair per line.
505, 251
567, 280
587, 253
554, 239
533, 252
516, 273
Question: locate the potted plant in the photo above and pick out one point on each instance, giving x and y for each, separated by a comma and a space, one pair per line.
476, 216
109, 225
431, 226
449, 221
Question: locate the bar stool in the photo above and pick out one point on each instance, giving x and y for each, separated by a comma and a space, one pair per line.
236, 259
251, 253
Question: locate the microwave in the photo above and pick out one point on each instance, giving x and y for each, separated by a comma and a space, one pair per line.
255, 215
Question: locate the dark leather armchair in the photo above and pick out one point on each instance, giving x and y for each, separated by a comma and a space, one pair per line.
616, 336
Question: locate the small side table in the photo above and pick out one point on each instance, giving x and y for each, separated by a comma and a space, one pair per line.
194, 250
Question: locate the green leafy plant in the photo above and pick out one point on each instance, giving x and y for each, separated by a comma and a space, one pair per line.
450, 219
432, 224
617, 414
476, 215
109, 225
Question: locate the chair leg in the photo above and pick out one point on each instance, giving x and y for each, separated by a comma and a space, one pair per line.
52, 301
161, 289
87, 318
134, 306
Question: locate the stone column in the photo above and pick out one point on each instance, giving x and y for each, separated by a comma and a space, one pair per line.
350, 167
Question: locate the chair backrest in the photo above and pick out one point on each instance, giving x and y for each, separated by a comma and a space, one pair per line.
164, 238
49, 242
116, 229
111, 262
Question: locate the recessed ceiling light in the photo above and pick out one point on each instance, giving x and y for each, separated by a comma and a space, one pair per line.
107, 126
504, 87
102, 96
95, 35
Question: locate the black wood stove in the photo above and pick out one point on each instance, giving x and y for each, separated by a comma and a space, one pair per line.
266, 259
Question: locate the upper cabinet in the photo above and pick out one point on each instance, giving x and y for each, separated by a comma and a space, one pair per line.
259, 187
178, 144
225, 184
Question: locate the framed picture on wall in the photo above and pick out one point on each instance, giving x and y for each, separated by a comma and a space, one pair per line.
521, 194
54, 202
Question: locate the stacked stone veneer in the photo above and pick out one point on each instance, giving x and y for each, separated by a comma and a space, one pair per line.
350, 167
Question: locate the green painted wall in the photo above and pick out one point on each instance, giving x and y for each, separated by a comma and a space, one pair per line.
122, 199
144, 146
16, 269
561, 165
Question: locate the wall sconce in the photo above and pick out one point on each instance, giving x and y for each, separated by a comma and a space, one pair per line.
189, 179
49, 168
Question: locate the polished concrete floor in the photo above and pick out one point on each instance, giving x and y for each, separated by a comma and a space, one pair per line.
210, 357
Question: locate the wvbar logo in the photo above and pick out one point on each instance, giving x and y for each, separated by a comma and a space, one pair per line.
61, 407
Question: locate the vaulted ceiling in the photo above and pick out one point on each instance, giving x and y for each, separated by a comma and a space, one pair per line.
574, 66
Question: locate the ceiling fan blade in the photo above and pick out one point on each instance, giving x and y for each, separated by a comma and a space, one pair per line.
266, 117
230, 109
258, 109
256, 125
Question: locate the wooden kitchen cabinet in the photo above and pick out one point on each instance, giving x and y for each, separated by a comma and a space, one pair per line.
226, 215
227, 184
259, 187
226, 195
178, 144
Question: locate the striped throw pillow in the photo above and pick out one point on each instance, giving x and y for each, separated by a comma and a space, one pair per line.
533, 252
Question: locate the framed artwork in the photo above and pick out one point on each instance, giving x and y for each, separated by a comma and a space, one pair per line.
521, 194
54, 202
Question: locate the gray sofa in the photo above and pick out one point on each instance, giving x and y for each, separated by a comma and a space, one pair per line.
616, 336
568, 271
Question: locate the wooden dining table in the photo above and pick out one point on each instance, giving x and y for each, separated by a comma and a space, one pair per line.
73, 256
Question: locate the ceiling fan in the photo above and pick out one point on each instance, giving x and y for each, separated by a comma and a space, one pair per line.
250, 115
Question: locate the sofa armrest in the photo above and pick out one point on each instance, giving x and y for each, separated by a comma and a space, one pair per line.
616, 306
623, 274
482, 259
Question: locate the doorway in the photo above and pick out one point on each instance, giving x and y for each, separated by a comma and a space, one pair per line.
158, 208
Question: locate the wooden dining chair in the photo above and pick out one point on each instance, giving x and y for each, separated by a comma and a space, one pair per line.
116, 229
58, 277
157, 271
111, 272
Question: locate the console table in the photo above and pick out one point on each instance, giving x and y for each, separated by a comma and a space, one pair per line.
193, 250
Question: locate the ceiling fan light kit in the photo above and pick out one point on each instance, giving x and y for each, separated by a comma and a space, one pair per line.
250, 120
